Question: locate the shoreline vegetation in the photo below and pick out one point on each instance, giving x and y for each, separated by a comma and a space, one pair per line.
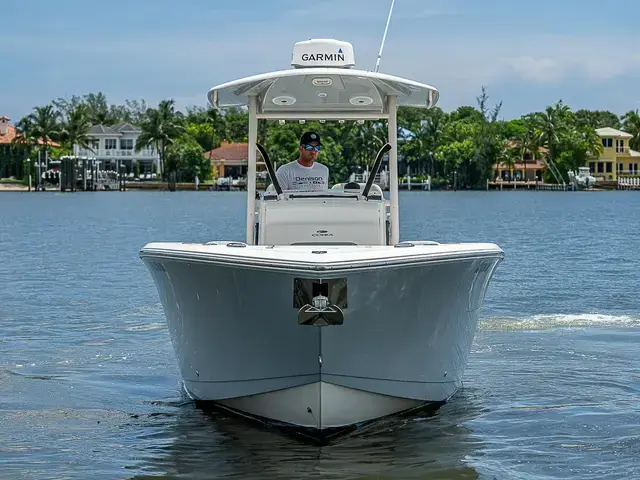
458, 149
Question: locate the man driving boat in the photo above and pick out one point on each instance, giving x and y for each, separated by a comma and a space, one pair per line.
305, 173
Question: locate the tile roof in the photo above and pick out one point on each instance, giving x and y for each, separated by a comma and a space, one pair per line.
612, 132
12, 133
231, 153
516, 144
51, 143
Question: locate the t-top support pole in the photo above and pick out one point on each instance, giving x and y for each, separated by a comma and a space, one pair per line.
392, 102
251, 169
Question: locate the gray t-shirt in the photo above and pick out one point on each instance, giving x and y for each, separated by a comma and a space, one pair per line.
293, 176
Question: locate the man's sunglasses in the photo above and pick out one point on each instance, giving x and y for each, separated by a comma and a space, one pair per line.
308, 148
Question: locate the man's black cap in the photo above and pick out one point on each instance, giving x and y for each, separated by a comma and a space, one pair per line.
309, 137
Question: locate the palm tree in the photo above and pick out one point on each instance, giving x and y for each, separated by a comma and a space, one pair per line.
413, 148
583, 143
508, 156
529, 143
592, 142
76, 127
432, 133
160, 128
631, 125
213, 118
551, 125
44, 127
28, 137
24, 138
27, 134
367, 139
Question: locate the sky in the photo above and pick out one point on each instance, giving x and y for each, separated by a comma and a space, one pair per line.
528, 54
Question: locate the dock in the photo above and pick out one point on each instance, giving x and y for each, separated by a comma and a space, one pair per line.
527, 185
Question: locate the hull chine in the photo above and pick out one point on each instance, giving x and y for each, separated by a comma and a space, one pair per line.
341, 411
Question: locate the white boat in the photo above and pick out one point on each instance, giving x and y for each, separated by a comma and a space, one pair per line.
582, 179
321, 318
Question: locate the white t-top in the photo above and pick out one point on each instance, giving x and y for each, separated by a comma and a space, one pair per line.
293, 176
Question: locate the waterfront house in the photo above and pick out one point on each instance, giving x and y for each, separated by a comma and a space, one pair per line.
617, 159
7, 132
526, 168
7, 161
117, 143
10, 134
231, 160
13, 151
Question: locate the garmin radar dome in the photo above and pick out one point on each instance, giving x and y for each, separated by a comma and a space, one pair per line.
323, 52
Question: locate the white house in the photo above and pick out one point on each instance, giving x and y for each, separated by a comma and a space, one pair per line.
111, 144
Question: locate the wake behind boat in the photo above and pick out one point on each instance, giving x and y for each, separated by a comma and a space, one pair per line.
321, 318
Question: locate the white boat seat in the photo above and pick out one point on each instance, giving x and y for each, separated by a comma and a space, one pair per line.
374, 193
330, 217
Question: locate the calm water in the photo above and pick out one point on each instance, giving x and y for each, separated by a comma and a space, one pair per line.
89, 386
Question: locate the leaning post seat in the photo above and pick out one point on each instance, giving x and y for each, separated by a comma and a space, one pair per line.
340, 216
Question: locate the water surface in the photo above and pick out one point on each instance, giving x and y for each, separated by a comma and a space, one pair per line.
89, 386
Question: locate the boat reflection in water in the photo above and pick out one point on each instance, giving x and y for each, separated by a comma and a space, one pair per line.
213, 444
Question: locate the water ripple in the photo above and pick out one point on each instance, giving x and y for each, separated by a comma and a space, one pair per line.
90, 388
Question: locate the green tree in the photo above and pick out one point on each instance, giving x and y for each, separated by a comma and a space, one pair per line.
596, 119
455, 156
43, 126
186, 157
365, 139
552, 125
508, 156
204, 134
76, 127
98, 108
487, 143
514, 128
631, 125
529, 141
421, 138
160, 128
236, 125
578, 145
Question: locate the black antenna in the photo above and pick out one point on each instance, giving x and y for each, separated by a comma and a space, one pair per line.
376, 166
272, 172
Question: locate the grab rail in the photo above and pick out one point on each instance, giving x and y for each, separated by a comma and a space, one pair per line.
376, 166
269, 165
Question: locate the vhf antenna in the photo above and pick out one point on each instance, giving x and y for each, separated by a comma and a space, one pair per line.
384, 37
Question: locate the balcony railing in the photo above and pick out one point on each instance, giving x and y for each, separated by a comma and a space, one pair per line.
617, 149
145, 153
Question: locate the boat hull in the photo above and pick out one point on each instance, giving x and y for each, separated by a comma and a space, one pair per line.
408, 325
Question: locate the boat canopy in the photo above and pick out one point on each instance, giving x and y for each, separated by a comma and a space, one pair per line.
323, 85
322, 93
